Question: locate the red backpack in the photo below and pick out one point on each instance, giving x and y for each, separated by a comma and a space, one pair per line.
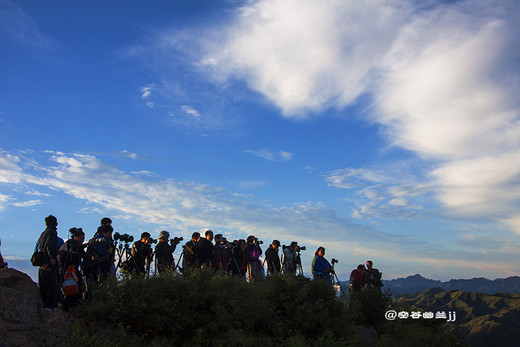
70, 281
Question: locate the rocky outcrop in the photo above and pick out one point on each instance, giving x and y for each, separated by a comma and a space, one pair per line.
23, 321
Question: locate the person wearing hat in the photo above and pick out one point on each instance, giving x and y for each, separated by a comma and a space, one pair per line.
164, 252
273, 260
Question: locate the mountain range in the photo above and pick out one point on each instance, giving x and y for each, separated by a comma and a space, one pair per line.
417, 283
481, 319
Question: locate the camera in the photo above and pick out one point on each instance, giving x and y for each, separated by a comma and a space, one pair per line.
176, 240
151, 240
256, 241
124, 238
334, 261
75, 232
299, 248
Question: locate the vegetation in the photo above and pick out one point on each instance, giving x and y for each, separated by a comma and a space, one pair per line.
207, 309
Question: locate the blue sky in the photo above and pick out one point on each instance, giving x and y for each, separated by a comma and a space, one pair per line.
382, 130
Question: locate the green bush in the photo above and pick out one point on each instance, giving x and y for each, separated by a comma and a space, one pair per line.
203, 309
207, 309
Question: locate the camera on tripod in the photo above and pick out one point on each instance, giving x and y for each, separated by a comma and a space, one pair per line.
123, 238
334, 261
151, 240
299, 248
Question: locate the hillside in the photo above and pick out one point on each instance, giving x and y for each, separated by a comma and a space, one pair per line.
481, 319
416, 283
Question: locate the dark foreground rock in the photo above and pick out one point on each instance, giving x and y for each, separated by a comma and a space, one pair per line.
23, 321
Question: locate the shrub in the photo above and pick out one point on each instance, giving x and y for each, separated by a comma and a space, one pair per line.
202, 308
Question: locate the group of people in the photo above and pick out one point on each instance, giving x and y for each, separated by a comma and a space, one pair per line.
363, 278
94, 261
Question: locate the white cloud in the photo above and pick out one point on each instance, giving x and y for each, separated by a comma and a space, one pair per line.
305, 55
444, 81
270, 155
449, 93
146, 92
27, 203
353, 178
4, 199
129, 155
10, 171
190, 111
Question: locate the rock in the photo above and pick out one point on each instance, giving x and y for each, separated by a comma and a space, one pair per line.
23, 321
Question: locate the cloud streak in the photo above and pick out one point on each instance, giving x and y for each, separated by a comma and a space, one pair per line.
270, 155
192, 206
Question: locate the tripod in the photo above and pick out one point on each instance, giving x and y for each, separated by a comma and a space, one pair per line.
299, 267
179, 262
335, 281
233, 265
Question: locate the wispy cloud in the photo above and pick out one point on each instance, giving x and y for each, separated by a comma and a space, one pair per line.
20, 27
306, 55
27, 203
270, 155
188, 206
190, 111
443, 81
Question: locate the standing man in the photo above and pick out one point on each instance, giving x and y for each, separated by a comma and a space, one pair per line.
205, 250
372, 276
141, 252
164, 252
190, 252
273, 260
48, 272
357, 279
289, 258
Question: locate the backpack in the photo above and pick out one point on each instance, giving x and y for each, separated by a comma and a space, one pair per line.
70, 281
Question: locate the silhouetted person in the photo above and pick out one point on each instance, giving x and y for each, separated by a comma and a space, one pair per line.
100, 252
48, 272
164, 252
189, 252
255, 269
72, 253
372, 276
272, 258
204, 250
141, 252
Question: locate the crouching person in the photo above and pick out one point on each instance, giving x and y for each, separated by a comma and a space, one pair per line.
70, 257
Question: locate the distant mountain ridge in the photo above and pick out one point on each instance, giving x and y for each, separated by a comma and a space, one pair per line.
481, 319
416, 283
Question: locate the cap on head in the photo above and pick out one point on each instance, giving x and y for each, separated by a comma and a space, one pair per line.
164, 234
